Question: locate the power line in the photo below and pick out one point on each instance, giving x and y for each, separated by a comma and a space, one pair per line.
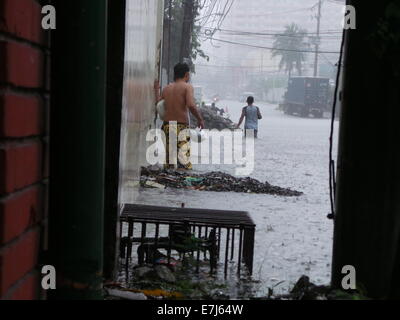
317, 44
256, 37
217, 11
270, 48
226, 13
339, 2
327, 60
277, 33
210, 12
234, 67
284, 12
214, 9
221, 17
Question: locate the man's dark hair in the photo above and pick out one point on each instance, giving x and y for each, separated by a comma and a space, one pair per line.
250, 100
180, 70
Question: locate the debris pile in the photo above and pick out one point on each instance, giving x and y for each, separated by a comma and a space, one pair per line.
208, 288
306, 290
213, 119
213, 181
177, 280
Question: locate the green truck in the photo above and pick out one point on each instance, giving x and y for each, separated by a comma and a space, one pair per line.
307, 96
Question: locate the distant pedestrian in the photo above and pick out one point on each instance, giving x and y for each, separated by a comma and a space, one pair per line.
252, 114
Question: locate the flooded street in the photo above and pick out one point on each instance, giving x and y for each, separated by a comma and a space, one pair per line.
293, 235
205, 157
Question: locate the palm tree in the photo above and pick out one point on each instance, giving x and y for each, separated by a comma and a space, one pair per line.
289, 45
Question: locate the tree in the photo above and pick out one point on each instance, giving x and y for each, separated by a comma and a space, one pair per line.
289, 46
173, 29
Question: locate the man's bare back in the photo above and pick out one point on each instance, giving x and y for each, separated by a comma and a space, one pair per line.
179, 101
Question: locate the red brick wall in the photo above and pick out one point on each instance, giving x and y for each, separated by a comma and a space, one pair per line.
24, 107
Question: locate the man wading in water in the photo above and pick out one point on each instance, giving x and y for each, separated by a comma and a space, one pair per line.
252, 115
179, 100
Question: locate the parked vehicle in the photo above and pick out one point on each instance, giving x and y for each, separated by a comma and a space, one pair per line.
307, 95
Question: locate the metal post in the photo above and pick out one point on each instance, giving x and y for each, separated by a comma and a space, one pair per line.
129, 241
248, 247
227, 252
206, 237
240, 249
143, 241
156, 242
169, 40
233, 244
317, 39
198, 252
219, 242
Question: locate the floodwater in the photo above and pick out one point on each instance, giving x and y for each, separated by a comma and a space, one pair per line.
293, 234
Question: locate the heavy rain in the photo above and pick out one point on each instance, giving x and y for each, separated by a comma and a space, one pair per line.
285, 55
193, 150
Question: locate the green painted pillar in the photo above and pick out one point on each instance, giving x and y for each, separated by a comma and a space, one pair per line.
367, 221
77, 164
115, 79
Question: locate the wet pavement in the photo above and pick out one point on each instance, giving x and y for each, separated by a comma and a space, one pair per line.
293, 236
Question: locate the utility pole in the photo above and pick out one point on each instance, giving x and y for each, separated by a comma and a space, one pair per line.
187, 29
317, 39
169, 41
262, 62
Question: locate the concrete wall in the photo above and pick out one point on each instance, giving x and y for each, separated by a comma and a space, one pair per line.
142, 55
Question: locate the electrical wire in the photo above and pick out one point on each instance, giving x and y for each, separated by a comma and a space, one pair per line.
269, 48
277, 33
274, 36
327, 60
339, 2
222, 15
235, 67
216, 9
226, 13
209, 12
285, 12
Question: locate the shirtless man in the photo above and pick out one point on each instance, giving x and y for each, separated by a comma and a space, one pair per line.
179, 101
